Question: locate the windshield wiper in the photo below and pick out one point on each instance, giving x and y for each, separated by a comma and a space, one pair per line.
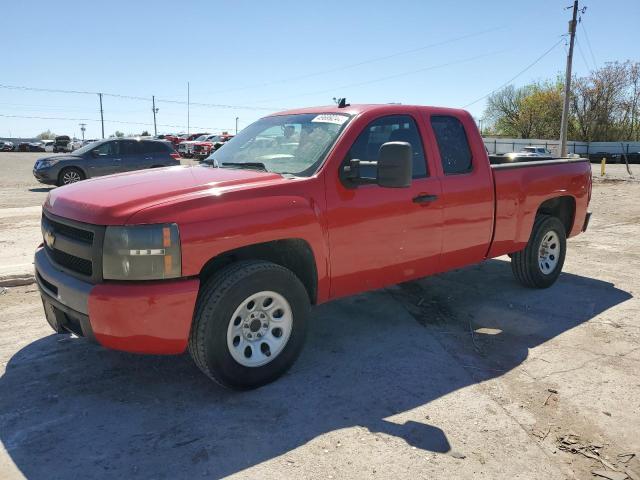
251, 165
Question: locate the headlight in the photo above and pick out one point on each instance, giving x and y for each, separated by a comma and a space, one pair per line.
46, 163
142, 252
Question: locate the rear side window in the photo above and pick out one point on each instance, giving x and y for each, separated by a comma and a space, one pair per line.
455, 153
152, 147
393, 128
128, 147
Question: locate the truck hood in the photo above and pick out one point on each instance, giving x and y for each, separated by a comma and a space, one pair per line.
112, 200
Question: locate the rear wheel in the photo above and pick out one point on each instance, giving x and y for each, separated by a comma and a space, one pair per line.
250, 324
70, 175
540, 263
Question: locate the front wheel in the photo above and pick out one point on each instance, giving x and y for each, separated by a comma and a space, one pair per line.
540, 263
250, 324
70, 175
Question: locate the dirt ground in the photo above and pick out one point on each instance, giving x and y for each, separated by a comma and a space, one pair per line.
462, 375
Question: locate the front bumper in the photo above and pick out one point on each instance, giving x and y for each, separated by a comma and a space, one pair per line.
140, 317
44, 176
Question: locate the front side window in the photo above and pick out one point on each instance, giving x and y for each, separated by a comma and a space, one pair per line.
107, 148
287, 144
393, 128
455, 153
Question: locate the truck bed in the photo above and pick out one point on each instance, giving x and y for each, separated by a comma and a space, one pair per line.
521, 187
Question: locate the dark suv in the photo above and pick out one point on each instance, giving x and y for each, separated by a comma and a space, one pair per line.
103, 158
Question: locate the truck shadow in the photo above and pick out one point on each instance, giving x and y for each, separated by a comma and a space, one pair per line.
68, 407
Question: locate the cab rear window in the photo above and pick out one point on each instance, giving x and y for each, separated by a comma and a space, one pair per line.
453, 145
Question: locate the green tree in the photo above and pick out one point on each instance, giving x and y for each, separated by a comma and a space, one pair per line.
119, 134
604, 106
48, 135
144, 134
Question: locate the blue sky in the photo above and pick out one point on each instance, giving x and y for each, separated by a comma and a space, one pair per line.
273, 55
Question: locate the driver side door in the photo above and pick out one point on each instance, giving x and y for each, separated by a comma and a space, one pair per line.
104, 159
381, 236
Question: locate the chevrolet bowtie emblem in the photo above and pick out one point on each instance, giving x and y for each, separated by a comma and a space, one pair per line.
49, 238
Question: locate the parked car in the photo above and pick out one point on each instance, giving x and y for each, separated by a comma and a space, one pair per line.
174, 139
633, 157
62, 143
539, 152
47, 145
7, 147
185, 147
36, 146
202, 150
103, 158
225, 258
609, 157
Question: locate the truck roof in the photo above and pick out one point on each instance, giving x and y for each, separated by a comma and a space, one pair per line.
360, 108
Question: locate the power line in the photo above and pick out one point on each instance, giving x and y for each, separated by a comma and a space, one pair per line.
107, 121
584, 59
521, 72
127, 97
389, 77
586, 36
358, 64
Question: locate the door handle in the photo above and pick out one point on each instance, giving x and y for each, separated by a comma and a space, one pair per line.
425, 198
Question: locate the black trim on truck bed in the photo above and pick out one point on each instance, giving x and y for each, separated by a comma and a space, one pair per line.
538, 163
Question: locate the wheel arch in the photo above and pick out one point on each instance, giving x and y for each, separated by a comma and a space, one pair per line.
562, 207
294, 254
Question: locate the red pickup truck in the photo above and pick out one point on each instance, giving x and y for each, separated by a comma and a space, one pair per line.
224, 259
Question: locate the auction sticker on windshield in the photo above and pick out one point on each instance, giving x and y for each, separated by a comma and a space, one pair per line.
328, 118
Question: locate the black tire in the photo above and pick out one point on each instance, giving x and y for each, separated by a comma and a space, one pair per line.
217, 301
69, 171
526, 265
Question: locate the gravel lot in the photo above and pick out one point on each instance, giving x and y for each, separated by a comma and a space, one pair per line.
462, 375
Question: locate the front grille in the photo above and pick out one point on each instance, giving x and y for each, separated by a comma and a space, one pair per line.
66, 260
84, 236
74, 246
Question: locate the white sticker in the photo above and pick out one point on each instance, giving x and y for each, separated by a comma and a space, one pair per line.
329, 118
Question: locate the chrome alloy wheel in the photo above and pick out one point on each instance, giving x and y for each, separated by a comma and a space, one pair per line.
259, 329
549, 252
71, 176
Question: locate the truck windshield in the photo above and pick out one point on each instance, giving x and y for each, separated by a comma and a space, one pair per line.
286, 144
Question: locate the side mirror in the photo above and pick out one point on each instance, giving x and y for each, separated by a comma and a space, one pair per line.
395, 165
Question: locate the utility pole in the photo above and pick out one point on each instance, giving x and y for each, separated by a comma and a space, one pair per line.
101, 114
237, 118
155, 110
188, 106
567, 82
82, 129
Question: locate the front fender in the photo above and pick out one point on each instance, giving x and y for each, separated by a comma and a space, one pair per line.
210, 228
